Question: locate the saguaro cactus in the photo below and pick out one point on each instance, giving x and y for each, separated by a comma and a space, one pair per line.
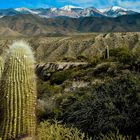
19, 93
1, 66
107, 52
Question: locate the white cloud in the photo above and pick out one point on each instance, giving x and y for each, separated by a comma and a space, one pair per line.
134, 5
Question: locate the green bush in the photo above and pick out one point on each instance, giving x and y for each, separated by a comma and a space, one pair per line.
136, 52
54, 106
105, 68
123, 55
113, 104
45, 89
60, 76
95, 60
113, 136
56, 131
82, 58
68, 59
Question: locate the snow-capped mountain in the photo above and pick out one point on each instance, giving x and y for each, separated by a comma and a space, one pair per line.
69, 11
71, 7
115, 8
115, 11
26, 10
92, 12
54, 9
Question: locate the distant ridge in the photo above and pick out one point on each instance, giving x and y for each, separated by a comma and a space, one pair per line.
33, 25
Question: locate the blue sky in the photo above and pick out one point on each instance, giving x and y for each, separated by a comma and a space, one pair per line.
130, 4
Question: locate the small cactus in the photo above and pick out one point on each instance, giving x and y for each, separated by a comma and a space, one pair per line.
18, 93
107, 52
1, 66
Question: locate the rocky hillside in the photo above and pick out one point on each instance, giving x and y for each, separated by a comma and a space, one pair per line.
97, 97
80, 47
80, 87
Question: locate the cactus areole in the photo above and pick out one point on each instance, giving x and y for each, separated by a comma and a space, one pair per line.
18, 90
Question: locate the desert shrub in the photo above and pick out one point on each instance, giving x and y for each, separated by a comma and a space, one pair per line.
106, 68
41, 109
136, 52
95, 60
56, 131
82, 58
123, 55
101, 68
113, 104
113, 136
68, 59
45, 89
78, 72
55, 106
60, 76
62, 102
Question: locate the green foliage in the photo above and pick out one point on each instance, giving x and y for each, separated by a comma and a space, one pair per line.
123, 55
56, 131
94, 61
18, 90
41, 110
45, 89
105, 69
136, 52
54, 106
114, 104
111, 104
82, 58
60, 76
68, 59
113, 136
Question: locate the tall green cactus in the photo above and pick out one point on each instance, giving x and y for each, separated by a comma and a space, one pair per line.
19, 93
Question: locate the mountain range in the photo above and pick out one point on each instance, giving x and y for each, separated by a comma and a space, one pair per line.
66, 20
69, 11
34, 25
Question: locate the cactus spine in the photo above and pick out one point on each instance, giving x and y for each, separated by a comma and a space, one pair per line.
19, 93
107, 52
